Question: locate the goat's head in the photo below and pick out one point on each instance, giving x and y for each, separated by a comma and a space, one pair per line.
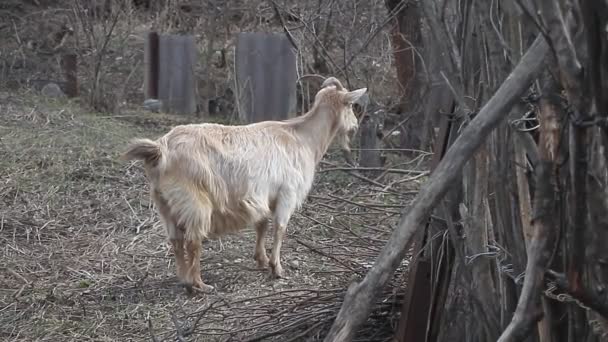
341, 100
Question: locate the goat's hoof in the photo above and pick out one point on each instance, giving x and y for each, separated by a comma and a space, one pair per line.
262, 264
198, 287
188, 287
202, 287
277, 272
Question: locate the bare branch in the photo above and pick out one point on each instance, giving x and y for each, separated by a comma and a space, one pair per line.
151, 330
371, 36
561, 44
282, 20
178, 328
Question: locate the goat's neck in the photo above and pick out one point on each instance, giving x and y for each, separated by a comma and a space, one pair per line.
317, 129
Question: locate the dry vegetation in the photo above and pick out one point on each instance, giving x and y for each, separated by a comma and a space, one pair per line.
84, 256
349, 40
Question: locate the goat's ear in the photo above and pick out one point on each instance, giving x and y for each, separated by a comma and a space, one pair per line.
353, 96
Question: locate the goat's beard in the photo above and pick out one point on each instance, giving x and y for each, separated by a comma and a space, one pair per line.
348, 156
344, 143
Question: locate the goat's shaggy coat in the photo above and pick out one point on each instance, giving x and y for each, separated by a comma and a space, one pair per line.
208, 180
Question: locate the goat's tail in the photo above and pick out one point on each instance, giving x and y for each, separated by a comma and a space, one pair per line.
144, 149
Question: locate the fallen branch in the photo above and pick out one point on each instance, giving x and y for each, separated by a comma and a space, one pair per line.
201, 314
318, 251
360, 297
392, 150
151, 330
301, 321
401, 171
178, 328
306, 332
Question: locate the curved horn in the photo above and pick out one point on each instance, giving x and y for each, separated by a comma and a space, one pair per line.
309, 76
332, 81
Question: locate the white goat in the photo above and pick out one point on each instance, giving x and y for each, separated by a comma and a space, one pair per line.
208, 180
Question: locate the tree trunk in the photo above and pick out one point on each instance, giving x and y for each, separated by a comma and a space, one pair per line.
407, 50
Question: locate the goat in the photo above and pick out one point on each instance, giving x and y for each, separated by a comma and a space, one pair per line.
208, 180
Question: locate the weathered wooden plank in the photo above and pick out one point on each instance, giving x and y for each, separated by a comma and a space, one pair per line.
176, 74
369, 142
69, 64
414, 323
266, 77
151, 55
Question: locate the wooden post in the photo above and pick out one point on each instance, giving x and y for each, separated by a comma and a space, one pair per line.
69, 63
369, 142
265, 77
425, 295
176, 74
151, 55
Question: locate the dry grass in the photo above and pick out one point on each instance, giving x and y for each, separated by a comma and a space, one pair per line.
85, 258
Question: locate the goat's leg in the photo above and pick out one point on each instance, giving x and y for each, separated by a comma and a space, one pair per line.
194, 249
180, 257
283, 212
175, 234
275, 257
260, 255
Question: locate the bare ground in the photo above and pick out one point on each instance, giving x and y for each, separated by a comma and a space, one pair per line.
84, 256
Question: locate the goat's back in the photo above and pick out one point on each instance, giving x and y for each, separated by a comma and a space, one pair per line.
252, 162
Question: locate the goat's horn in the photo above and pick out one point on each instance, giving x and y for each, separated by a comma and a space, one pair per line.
308, 76
332, 81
